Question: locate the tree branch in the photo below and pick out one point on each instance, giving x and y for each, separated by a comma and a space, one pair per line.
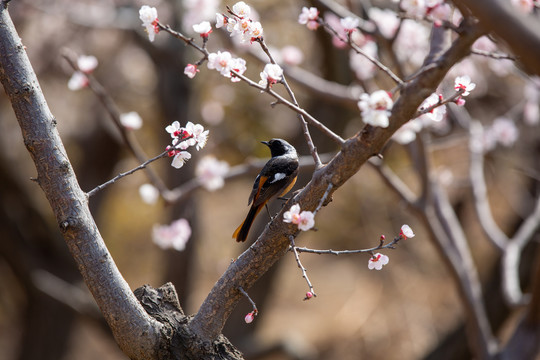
274, 242
137, 334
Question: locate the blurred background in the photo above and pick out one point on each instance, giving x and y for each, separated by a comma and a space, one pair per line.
409, 310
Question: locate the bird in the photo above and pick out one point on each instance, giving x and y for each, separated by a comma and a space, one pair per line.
277, 177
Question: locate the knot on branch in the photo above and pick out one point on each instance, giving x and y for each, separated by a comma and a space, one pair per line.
177, 340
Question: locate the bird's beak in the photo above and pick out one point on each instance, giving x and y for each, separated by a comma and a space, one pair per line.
265, 143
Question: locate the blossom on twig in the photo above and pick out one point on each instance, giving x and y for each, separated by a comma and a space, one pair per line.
305, 219
406, 231
377, 261
464, 83
203, 29
149, 18
191, 70
271, 74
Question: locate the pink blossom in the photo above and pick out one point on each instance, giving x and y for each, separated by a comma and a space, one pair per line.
191, 70
173, 236
238, 65
377, 261
221, 20
309, 18
436, 114
304, 220
220, 61
204, 29
255, 31
249, 317
241, 9
225, 63
375, 108
149, 18
464, 83
271, 74
309, 295
349, 24
406, 231
210, 172
199, 136
174, 129
180, 158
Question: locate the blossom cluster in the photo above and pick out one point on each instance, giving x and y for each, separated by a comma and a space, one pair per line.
225, 63
378, 260
241, 23
304, 219
433, 111
183, 138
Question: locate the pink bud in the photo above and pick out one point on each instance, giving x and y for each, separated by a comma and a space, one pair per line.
309, 295
249, 318
460, 101
383, 237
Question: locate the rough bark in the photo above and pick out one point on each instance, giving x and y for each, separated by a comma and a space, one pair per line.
136, 332
178, 341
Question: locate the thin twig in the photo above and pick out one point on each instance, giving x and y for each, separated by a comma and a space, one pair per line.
121, 175
323, 198
255, 311
353, 46
280, 99
497, 56
293, 247
390, 245
110, 106
189, 41
441, 102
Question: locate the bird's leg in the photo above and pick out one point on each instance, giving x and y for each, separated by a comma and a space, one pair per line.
268, 211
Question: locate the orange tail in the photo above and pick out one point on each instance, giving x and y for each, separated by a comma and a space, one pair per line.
242, 231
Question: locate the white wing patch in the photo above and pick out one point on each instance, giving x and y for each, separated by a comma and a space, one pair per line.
277, 177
